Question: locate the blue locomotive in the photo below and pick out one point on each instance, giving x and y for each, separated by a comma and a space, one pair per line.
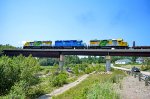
70, 44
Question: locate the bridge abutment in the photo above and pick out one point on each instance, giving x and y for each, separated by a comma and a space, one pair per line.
108, 63
61, 62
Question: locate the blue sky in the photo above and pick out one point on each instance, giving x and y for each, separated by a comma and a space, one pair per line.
29, 20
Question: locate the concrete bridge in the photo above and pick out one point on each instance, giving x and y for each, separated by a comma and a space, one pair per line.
59, 53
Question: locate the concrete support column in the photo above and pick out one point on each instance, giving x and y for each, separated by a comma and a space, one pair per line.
61, 62
108, 63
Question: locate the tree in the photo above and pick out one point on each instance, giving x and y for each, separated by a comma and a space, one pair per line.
101, 60
4, 47
146, 64
133, 59
16, 69
48, 61
72, 59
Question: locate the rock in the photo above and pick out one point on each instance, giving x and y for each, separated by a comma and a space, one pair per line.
136, 91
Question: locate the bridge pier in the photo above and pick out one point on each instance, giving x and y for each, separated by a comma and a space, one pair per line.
108, 63
61, 62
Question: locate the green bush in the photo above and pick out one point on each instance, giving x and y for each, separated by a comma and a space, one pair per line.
83, 66
18, 91
144, 68
117, 76
35, 91
60, 79
88, 70
100, 68
9, 72
17, 69
76, 70
146, 64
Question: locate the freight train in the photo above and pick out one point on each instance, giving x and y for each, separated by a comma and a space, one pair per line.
79, 44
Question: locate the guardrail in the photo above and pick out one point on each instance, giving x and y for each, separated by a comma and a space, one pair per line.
145, 76
141, 77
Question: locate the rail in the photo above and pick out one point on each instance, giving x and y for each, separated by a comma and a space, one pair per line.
145, 76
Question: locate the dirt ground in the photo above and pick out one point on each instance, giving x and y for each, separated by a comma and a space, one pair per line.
133, 89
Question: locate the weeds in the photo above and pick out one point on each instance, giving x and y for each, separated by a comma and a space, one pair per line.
96, 86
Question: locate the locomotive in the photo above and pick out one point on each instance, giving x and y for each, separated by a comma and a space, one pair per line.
108, 44
78, 44
38, 45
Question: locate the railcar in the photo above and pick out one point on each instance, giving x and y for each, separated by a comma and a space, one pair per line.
108, 44
38, 45
141, 47
69, 44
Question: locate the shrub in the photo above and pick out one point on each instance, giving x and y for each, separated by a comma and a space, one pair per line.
100, 68
18, 90
83, 66
9, 74
88, 70
17, 69
60, 79
76, 70
117, 76
144, 68
35, 91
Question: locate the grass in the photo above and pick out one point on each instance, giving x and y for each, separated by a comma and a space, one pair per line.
128, 66
96, 86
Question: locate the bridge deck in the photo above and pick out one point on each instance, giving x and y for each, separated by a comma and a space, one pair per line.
92, 52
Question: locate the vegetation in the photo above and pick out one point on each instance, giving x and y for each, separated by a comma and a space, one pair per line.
7, 46
128, 66
146, 65
59, 79
18, 75
24, 78
96, 86
89, 60
48, 61
115, 58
